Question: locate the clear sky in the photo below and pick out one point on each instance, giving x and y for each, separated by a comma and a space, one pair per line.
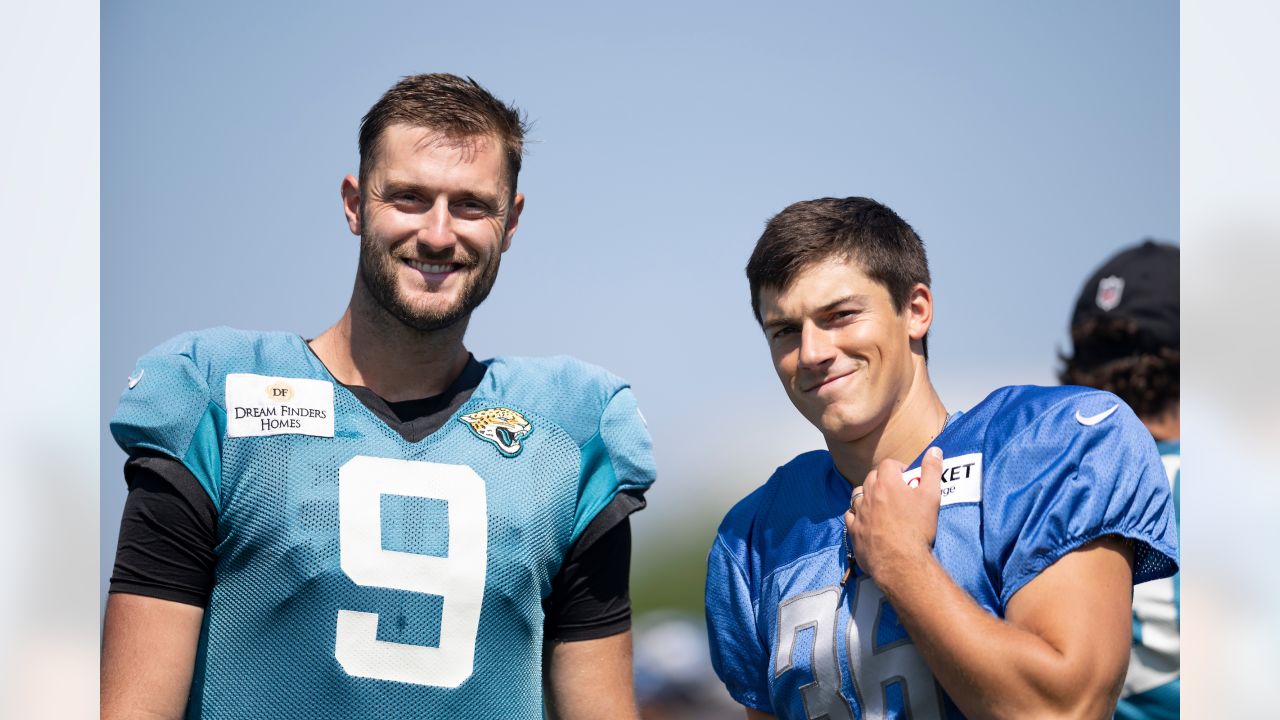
1024, 141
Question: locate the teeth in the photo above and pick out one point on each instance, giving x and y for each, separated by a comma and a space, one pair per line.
427, 268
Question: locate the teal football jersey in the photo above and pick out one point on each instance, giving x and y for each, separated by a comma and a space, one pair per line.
360, 575
1152, 687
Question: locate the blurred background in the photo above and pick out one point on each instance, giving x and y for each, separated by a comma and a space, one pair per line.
1024, 142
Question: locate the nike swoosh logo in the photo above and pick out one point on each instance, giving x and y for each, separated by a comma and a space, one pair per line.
135, 379
1095, 419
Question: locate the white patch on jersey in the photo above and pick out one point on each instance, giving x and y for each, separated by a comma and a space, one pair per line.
260, 405
1095, 419
961, 478
135, 379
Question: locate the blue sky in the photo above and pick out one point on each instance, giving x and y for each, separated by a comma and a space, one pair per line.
1024, 142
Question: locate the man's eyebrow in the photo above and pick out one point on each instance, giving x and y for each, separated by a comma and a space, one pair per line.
781, 320
840, 301
777, 322
394, 183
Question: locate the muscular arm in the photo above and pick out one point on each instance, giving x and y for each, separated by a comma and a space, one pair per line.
1060, 651
591, 679
588, 669
162, 579
148, 655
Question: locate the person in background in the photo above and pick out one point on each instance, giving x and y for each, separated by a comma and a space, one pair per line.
1124, 337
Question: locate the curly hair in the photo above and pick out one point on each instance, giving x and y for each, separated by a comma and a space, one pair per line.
1111, 355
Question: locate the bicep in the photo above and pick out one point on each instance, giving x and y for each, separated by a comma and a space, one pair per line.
148, 655
1080, 606
591, 678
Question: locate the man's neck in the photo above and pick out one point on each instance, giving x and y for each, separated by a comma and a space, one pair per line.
912, 425
370, 348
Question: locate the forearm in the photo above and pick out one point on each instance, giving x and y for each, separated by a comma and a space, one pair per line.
990, 667
148, 654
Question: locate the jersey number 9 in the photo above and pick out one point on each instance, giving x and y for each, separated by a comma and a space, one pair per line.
457, 578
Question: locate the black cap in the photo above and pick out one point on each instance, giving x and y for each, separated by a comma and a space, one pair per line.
1138, 284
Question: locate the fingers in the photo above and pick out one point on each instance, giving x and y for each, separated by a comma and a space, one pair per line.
888, 468
856, 498
931, 472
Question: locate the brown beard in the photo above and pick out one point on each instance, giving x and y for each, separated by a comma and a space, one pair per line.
378, 270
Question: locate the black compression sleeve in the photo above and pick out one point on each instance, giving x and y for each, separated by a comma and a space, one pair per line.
590, 596
167, 533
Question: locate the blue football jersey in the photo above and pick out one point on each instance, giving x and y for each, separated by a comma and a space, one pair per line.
360, 575
1029, 475
1152, 685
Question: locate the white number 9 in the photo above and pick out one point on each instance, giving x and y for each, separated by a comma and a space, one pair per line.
458, 578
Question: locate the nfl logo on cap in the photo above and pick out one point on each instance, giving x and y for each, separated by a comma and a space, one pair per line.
1109, 291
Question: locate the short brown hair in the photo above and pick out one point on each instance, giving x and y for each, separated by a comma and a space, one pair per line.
456, 107
857, 229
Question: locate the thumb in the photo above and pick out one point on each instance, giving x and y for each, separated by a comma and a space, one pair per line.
931, 474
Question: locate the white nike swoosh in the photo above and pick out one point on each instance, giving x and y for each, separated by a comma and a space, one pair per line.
135, 379
1095, 419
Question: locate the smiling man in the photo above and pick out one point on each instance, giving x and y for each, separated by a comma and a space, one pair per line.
373, 523
927, 564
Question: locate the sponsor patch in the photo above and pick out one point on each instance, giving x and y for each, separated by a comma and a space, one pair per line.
262, 405
961, 478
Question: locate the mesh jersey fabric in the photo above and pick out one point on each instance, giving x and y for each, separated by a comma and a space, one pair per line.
1031, 482
1152, 686
362, 575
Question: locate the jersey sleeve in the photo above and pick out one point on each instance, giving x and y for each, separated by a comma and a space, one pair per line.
1084, 469
168, 409
617, 458
590, 596
168, 533
738, 654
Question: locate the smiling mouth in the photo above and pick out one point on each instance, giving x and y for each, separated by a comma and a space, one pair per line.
433, 268
826, 382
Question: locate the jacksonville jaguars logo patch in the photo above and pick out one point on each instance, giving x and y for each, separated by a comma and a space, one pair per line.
503, 427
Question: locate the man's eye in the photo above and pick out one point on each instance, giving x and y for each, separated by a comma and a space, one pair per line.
782, 332
471, 208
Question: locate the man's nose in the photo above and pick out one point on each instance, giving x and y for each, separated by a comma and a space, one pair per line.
436, 230
816, 346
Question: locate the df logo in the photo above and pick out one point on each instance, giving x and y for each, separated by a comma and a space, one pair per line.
280, 392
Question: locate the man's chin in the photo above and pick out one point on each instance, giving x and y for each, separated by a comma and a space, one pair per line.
844, 429
429, 317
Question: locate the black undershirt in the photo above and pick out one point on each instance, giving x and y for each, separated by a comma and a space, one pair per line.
169, 530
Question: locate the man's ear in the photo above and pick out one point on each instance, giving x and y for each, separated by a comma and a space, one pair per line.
513, 219
919, 311
350, 190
